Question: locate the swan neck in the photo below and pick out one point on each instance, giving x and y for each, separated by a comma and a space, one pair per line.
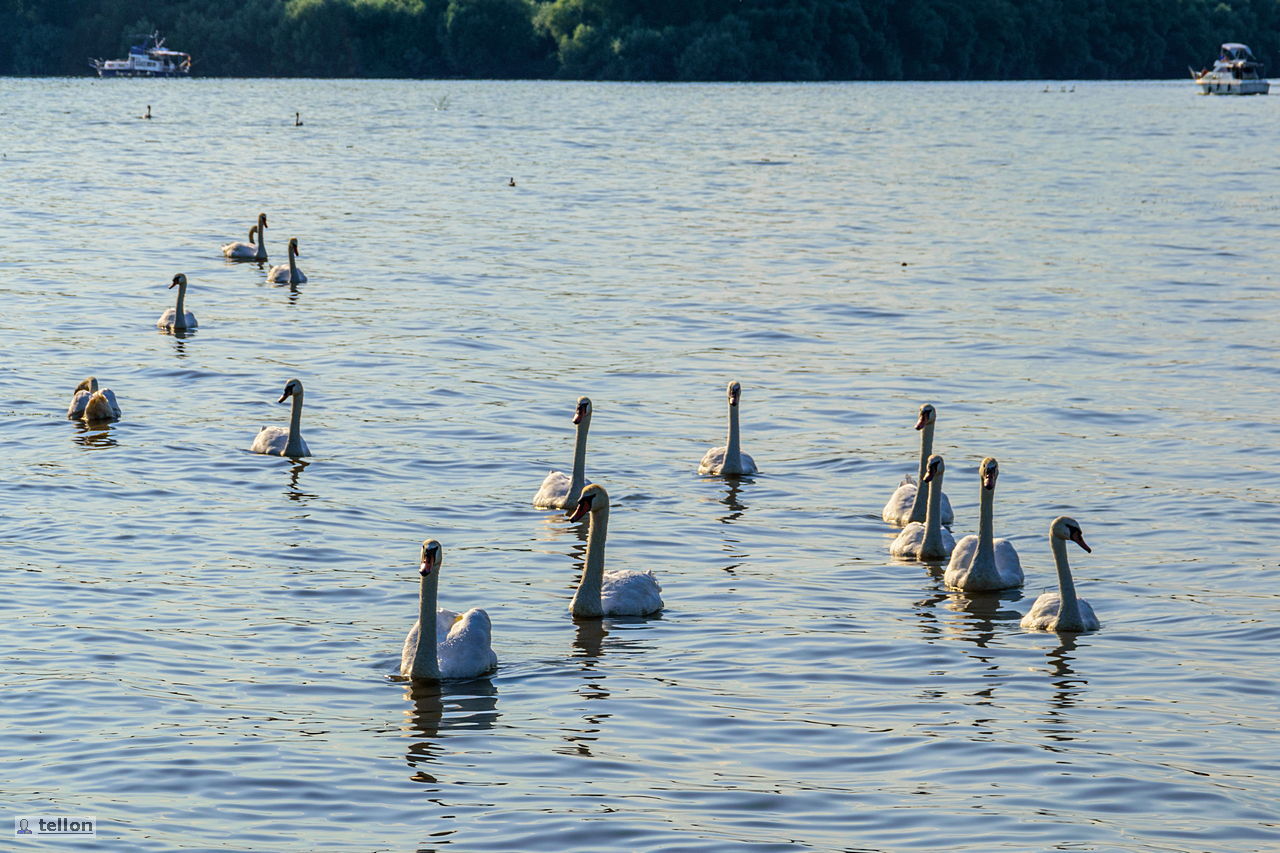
586, 601
1069, 611
986, 553
732, 445
579, 475
294, 446
425, 663
926, 450
293, 266
933, 518
180, 317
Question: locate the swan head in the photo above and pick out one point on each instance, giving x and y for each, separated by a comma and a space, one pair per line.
89, 383
583, 411
1064, 527
292, 387
928, 414
989, 470
593, 499
293, 246
179, 280
432, 554
934, 469
262, 222
735, 392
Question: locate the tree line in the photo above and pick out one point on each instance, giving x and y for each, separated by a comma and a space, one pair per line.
646, 39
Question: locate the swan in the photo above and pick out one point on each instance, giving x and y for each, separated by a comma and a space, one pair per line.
177, 318
979, 562
559, 491
601, 593
297, 119
930, 540
459, 647
288, 274
907, 503
278, 441
729, 460
1061, 611
91, 404
254, 250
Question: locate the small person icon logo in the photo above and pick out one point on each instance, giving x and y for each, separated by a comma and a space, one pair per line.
23, 827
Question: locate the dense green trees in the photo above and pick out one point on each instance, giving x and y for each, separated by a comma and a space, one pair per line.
648, 39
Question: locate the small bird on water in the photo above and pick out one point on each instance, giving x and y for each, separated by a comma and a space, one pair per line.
297, 119
511, 182
148, 115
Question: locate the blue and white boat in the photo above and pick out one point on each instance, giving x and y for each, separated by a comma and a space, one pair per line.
150, 58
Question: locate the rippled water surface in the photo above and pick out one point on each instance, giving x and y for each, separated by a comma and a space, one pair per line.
201, 644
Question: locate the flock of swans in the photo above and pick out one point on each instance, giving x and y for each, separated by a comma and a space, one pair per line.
460, 647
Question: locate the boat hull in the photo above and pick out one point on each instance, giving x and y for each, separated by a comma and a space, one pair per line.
1232, 86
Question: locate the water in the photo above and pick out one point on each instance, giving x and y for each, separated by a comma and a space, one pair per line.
202, 644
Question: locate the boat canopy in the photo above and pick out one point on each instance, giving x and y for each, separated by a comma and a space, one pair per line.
1236, 50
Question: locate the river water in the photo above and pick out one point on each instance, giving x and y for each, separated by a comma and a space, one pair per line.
201, 644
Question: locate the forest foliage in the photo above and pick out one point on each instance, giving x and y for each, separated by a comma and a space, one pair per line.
647, 39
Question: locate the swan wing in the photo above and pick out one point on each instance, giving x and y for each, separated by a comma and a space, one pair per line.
909, 541
629, 593
410, 647
948, 517
78, 403
1008, 564
1043, 615
271, 440
467, 648
748, 464
554, 492
111, 401
898, 509
712, 461
279, 273
957, 574
238, 249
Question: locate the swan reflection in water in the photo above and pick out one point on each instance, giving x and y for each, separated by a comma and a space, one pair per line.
294, 493
733, 487
439, 708
95, 437
1068, 690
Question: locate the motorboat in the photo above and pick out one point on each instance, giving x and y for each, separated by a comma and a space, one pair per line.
148, 58
1236, 72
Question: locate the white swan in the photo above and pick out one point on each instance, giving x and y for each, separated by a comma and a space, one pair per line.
907, 502
930, 540
177, 318
459, 647
288, 273
601, 593
278, 441
981, 562
1062, 611
729, 460
88, 403
251, 251
559, 491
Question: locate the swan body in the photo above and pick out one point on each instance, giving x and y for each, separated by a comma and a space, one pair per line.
982, 562
177, 318
729, 461
288, 273
253, 250
89, 403
461, 643
601, 593
278, 441
558, 490
930, 540
907, 503
1062, 611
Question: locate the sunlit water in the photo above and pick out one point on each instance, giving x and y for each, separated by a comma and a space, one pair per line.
201, 644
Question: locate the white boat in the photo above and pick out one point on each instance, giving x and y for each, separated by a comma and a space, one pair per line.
1235, 73
150, 58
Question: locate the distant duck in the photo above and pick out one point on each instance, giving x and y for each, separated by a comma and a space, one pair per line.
297, 119
288, 273
1062, 611
278, 441
601, 593
148, 115
254, 250
457, 645
511, 182
89, 403
729, 461
930, 540
907, 504
982, 562
559, 491
177, 318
